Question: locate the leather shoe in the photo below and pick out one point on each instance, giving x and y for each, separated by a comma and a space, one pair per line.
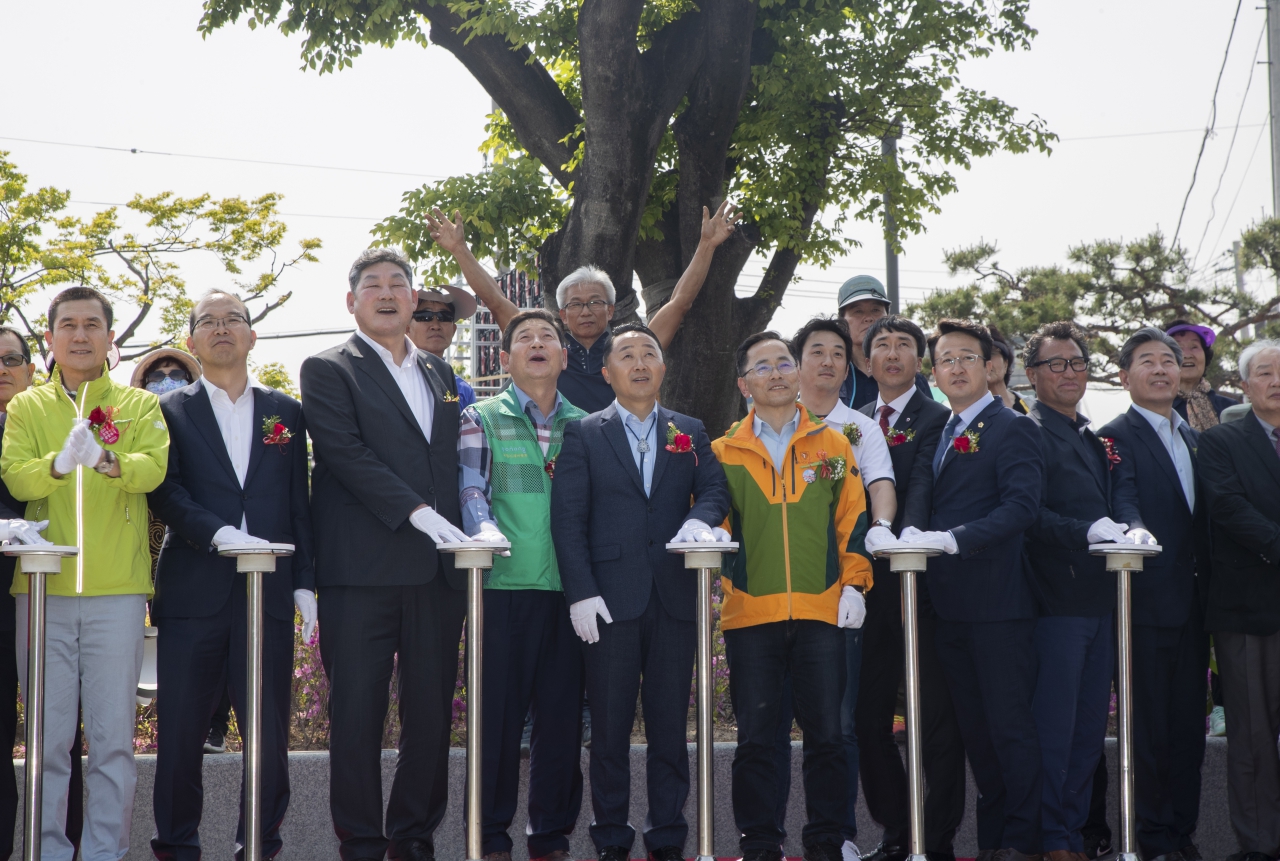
412, 850
666, 853
886, 853
764, 855
823, 852
614, 853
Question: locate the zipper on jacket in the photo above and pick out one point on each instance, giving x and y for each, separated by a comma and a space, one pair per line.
80, 498
786, 532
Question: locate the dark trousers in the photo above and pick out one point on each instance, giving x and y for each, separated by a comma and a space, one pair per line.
1168, 713
364, 630
1250, 668
197, 660
650, 657
853, 672
1072, 699
991, 672
532, 663
760, 656
884, 777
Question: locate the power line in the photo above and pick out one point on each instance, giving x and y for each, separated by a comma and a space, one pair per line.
1140, 134
1227, 219
286, 214
1213, 118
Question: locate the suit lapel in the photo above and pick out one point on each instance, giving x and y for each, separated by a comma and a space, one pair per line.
1078, 445
661, 457
439, 415
262, 410
200, 411
906, 420
616, 434
368, 361
1143, 430
982, 418
1256, 434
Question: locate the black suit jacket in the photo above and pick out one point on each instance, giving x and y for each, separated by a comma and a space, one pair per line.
200, 494
1242, 481
373, 467
10, 509
1079, 486
1168, 586
988, 499
610, 539
912, 460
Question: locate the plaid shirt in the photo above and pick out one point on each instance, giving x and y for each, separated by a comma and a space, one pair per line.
475, 460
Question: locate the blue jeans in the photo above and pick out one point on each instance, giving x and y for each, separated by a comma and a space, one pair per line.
852, 674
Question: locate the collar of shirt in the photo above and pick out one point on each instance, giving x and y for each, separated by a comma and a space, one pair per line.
898, 404
969, 413
587, 359
1077, 424
760, 428
646, 424
219, 397
1158, 422
531, 408
1270, 429
410, 356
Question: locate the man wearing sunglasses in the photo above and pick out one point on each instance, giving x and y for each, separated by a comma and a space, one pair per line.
434, 324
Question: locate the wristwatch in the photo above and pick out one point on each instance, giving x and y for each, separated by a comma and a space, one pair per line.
107, 463
887, 524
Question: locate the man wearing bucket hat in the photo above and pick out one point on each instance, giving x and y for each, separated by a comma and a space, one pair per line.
434, 324
861, 301
1197, 402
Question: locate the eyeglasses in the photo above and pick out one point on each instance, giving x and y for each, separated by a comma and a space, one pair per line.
1059, 366
429, 316
208, 324
966, 361
763, 370
177, 374
14, 360
593, 306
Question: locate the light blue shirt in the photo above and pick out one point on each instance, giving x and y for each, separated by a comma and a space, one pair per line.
636, 431
1176, 446
776, 443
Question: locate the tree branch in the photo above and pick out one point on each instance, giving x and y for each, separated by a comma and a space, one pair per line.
144, 305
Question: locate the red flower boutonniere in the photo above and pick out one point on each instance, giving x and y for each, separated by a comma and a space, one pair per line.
896, 437
103, 421
679, 442
274, 433
966, 443
550, 468
1113, 456
853, 433
832, 468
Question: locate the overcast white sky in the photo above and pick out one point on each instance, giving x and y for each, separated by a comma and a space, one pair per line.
1126, 85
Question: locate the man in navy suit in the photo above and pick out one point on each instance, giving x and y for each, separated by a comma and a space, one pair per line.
226, 484
986, 494
1171, 650
1088, 497
620, 493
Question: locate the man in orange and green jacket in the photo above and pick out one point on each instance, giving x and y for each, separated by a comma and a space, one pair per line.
799, 514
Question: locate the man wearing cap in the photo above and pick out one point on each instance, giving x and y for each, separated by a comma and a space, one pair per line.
861, 302
434, 324
586, 301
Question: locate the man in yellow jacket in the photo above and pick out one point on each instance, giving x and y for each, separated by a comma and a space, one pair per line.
83, 451
799, 513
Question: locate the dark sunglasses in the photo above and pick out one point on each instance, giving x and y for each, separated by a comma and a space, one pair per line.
14, 360
428, 316
175, 374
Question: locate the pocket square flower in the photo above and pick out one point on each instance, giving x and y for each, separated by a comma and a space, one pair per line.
450, 398
102, 421
1113, 456
275, 433
679, 442
896, 437
966, 443
831, 468
853, 433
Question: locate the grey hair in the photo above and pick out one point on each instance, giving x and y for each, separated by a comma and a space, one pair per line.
248, 317
1146, 335
586, 275
1249, 353
372, 256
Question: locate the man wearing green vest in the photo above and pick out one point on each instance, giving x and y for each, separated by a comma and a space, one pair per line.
507, 448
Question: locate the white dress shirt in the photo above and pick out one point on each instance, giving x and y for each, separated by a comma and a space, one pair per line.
410, 380
897, 405
635, 431
1176, 446
235, 423
872, 451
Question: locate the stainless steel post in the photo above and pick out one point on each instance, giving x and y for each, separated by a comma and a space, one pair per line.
475, 661
34, 694
706, 742
911, 655
252, 731
1124, 623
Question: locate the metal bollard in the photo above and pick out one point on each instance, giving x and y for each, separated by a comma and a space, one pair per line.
477, 557
1124, 559
704, 557
38, 562
908, 561
253, 561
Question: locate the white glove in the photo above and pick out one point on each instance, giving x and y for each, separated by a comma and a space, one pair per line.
305, 601
721, 534
583, 615
438, 529
88, 452
910, 534
853, 608
944, 541
231, 535
491, 534
694, 531
1138, 535
23, 531
1106, 530
69, 457
878, 536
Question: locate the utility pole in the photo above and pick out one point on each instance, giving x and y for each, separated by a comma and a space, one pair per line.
1273, 78
889, 150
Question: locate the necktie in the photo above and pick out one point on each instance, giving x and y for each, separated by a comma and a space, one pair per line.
884, 418
947, 436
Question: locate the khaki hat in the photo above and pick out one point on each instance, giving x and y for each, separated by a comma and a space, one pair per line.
464, 304
147, 362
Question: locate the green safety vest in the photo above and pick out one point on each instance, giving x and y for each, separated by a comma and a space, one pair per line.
520, 490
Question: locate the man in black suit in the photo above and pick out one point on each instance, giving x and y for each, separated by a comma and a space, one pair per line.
620, 494
1087, 497
1240, 465
383, 418
226, 484
986, 494
1170, 649
912, 425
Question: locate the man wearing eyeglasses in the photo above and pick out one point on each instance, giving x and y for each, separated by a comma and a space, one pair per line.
586, 298
1088, 496
986, 494
434, 323
227, 483
799, 513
